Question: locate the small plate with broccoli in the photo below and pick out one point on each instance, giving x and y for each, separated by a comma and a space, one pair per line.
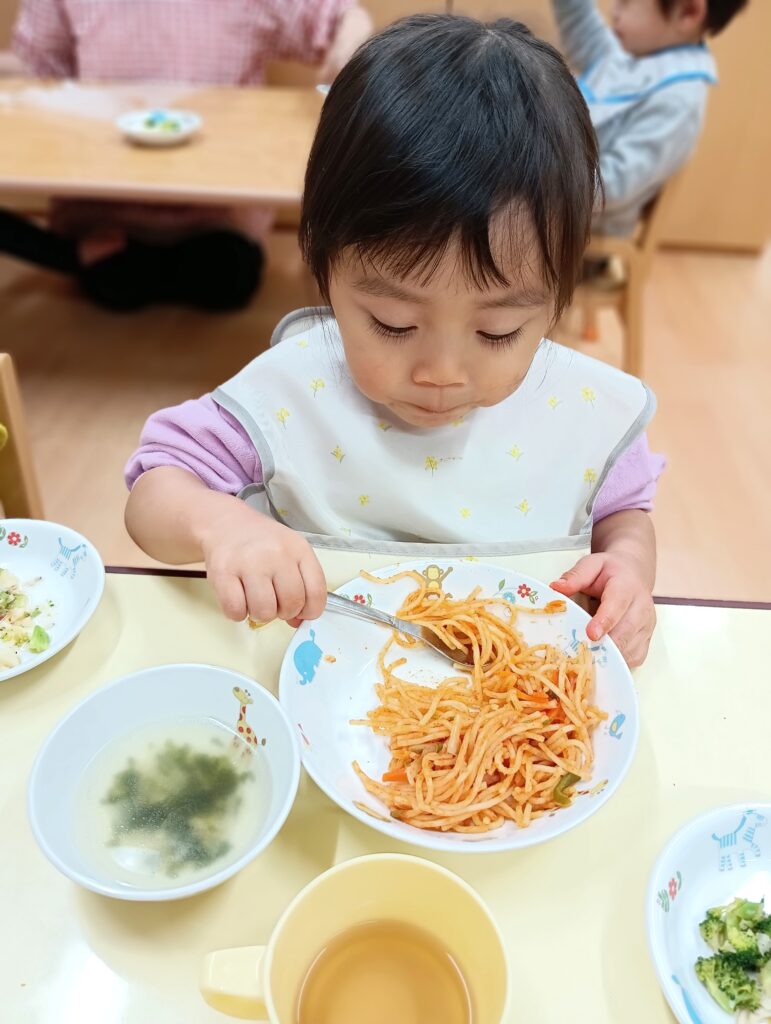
159, 127
51, 581
709, 917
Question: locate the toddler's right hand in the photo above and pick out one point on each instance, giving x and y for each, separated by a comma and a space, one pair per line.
261, 569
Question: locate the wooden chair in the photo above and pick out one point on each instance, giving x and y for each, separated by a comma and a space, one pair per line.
19, 491
634, 254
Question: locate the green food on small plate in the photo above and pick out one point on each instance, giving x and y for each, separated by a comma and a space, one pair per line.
738, 974
39, 641
18, 631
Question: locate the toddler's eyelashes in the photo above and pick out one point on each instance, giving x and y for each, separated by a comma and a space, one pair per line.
386, 331
500, 340
400, 333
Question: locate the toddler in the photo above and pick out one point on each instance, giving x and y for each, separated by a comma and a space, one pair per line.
448, 200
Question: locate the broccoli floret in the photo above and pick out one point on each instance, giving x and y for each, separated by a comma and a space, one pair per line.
740, 920
764, 926
741, 910
745, 910
727, 983
731, 930
713, 932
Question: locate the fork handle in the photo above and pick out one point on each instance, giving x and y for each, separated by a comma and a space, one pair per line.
344, 605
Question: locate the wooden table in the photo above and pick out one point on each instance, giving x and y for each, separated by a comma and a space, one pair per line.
571, 911
61, 139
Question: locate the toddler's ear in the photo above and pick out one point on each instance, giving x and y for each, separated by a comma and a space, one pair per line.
691, 16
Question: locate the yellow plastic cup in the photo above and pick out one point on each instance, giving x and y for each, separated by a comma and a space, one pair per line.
263, 982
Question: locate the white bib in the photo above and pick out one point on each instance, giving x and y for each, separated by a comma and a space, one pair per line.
520, 476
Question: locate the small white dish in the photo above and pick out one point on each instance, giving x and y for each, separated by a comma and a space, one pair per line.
150, 698
161, 127
62, 574
712, 859
330, 670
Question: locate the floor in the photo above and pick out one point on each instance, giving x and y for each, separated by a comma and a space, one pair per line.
90, 379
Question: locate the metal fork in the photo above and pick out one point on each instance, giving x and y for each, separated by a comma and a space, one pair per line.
344, 605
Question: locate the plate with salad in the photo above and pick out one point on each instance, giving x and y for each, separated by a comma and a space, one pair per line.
51, 581
709, 917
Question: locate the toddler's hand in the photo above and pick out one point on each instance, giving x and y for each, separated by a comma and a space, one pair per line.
353, 28
626, 611
262, 569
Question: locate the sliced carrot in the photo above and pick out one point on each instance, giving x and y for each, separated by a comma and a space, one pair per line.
534, 698
395, 776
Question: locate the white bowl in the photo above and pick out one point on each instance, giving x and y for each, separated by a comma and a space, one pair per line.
161, 127
145, 698
328, 678
720, 855
71, 576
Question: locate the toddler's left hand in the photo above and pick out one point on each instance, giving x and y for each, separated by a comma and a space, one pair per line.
626, 611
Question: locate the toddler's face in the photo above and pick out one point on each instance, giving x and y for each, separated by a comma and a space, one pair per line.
432, 351
642, 27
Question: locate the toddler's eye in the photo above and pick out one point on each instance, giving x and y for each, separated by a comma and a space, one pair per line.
386, 331
500, 340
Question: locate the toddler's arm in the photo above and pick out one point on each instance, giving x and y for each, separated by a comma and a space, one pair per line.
584, 35
354, 27
193, 460
657, 138
43, 39
324, 32
621, 570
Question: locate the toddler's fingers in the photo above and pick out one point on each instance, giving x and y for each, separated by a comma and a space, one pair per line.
290, 592
614, 603
230, 595
583, 574
260, 597
633, 634
315, 586
635, 649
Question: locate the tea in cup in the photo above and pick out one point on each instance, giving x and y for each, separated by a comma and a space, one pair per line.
374, 940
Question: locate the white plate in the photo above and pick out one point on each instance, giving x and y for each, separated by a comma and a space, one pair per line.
328, 678
161, 127
151, 697
723, 854
71, 579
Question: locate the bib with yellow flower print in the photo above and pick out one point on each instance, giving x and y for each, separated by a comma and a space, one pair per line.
520, 476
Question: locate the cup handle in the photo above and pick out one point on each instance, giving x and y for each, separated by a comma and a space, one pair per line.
231, 982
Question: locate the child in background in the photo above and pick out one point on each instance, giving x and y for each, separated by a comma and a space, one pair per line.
129, 255
645, 83
448, 200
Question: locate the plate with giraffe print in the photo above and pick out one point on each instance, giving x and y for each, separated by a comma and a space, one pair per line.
720, 856
51, 583
328, 686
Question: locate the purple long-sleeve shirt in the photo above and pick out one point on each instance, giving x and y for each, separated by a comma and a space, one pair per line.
205, 439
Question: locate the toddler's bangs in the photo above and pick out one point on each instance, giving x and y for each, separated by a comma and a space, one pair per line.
443, 134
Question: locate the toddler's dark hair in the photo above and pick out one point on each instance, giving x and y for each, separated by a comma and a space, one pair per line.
435, 126
719, 12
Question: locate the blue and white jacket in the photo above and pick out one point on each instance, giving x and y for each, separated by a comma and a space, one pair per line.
648, 112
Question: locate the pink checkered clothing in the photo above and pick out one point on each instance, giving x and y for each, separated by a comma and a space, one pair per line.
225, 42
207, 42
